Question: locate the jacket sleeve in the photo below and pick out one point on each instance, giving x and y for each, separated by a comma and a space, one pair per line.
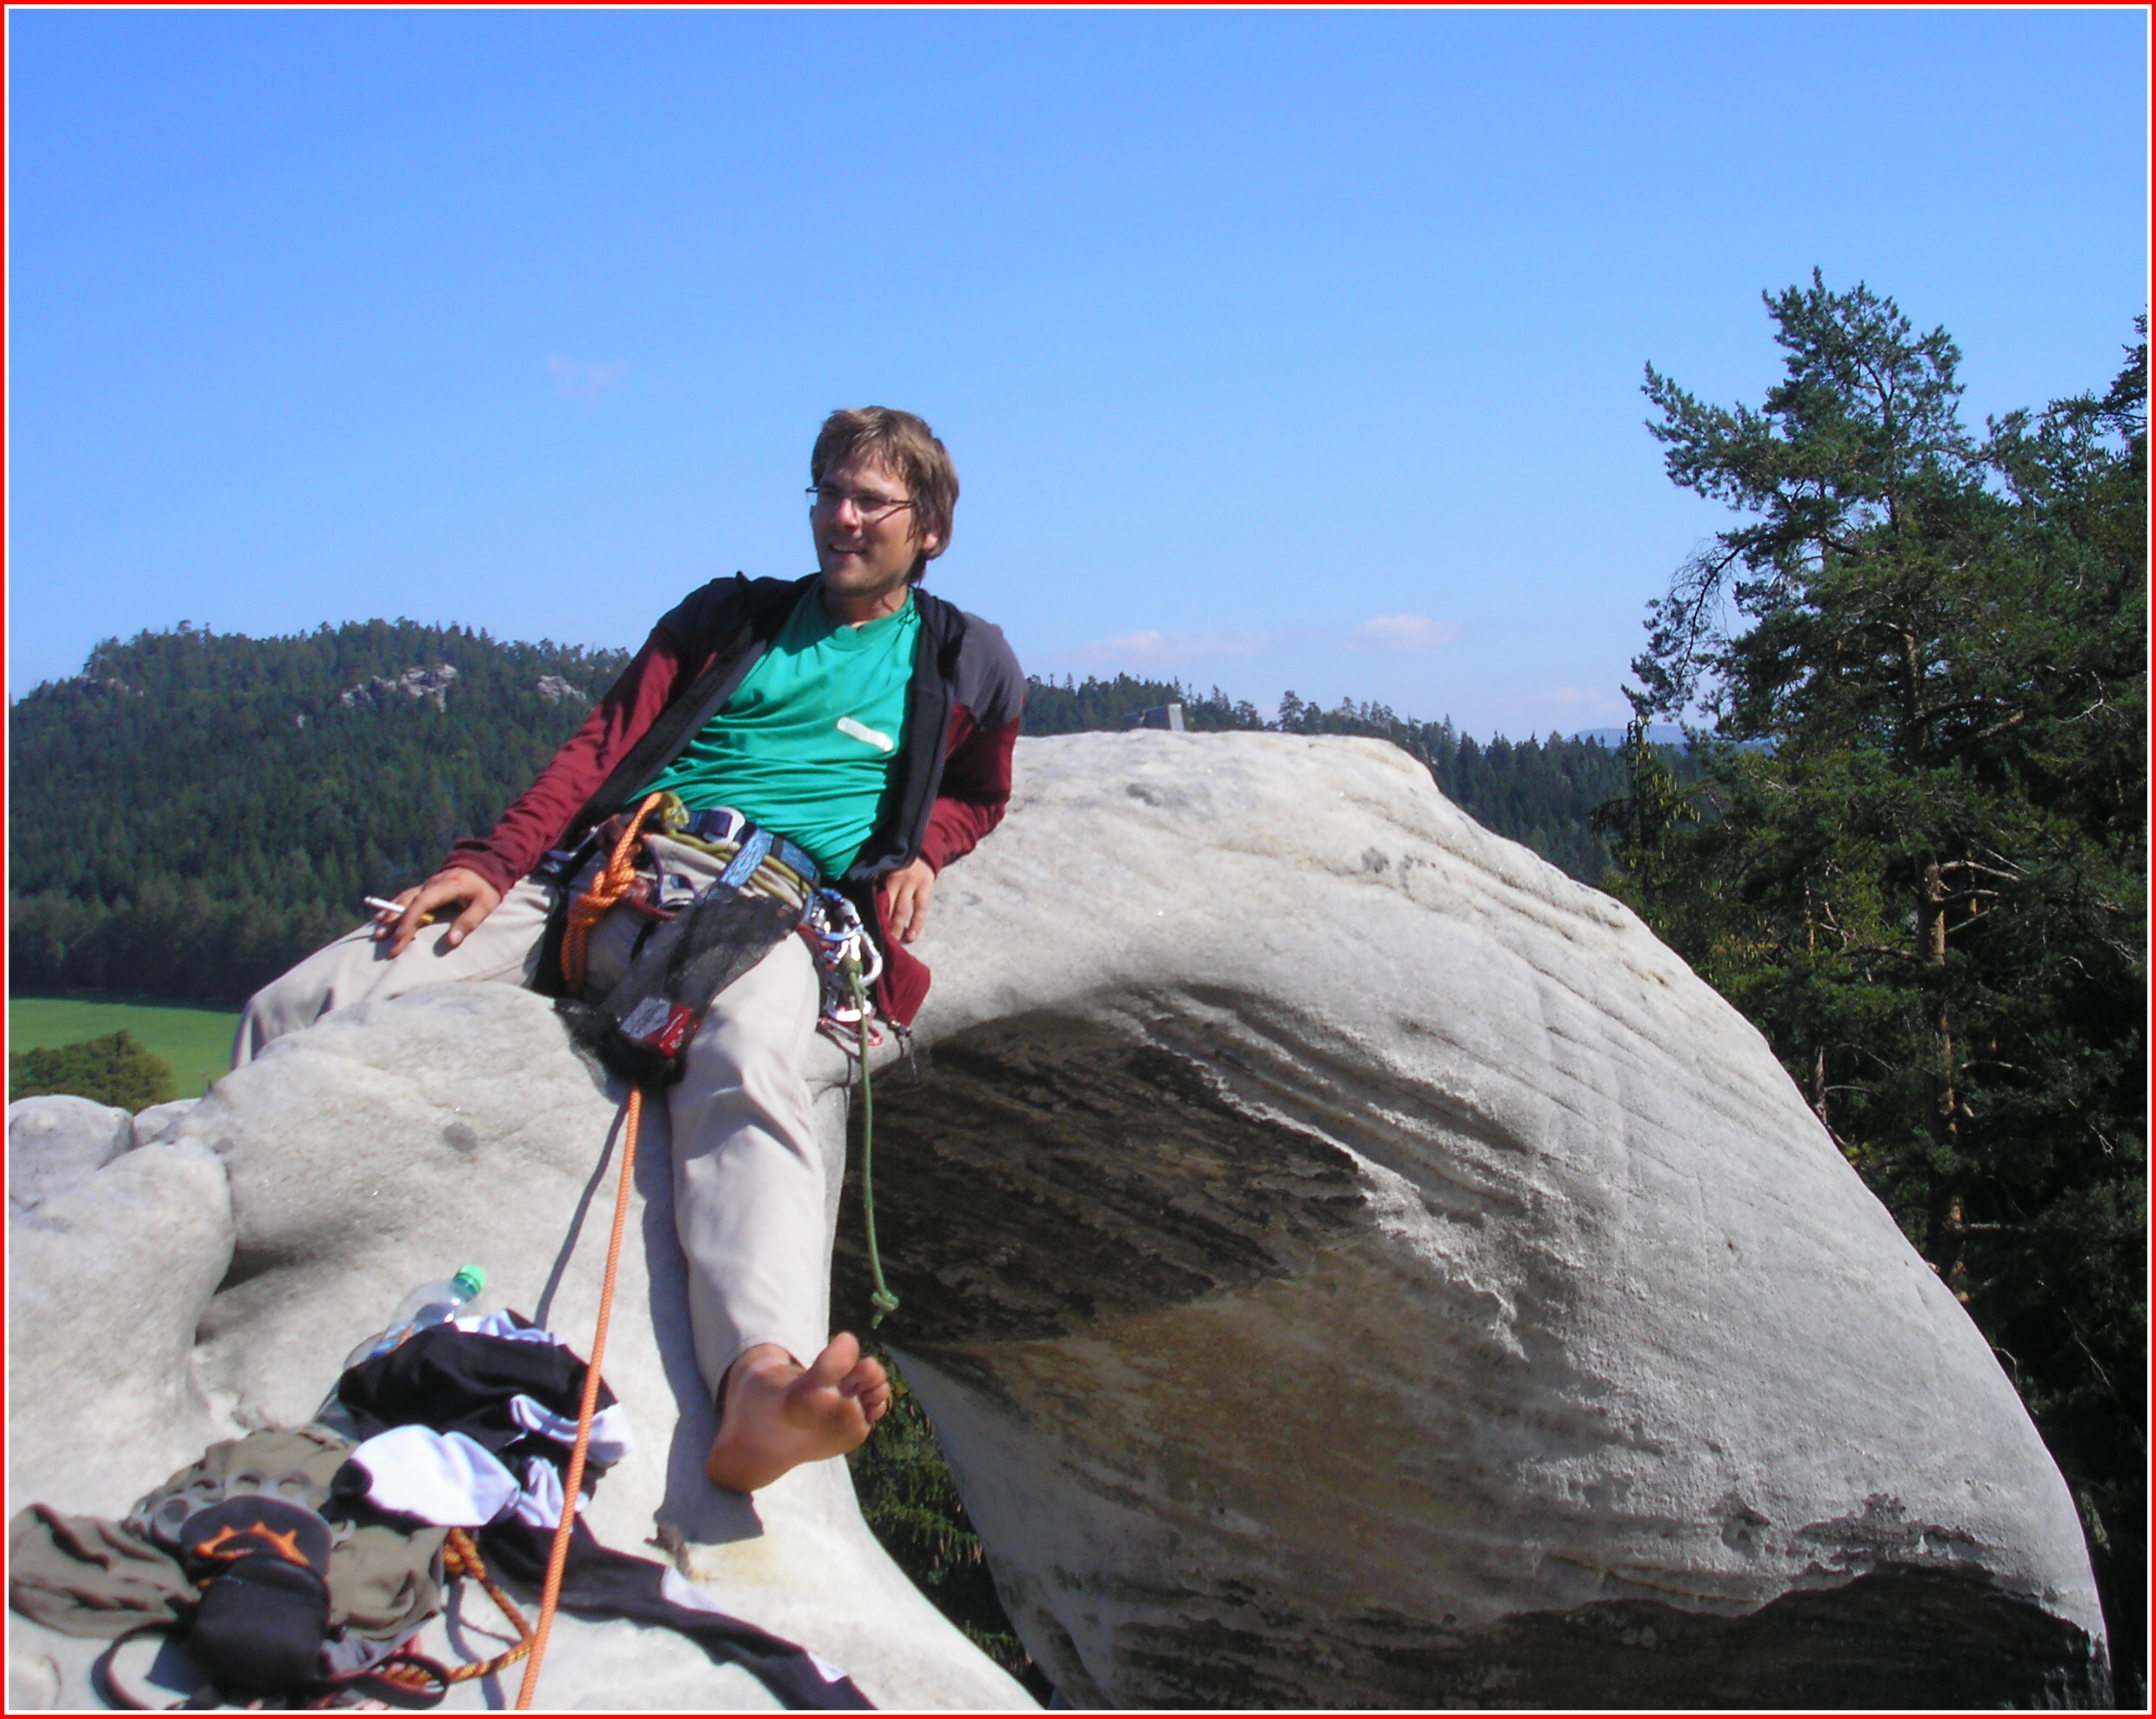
988, 701
542, 812
975, 790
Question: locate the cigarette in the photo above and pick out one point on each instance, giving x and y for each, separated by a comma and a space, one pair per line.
381, 906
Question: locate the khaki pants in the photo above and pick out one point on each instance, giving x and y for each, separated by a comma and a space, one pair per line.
750, 1193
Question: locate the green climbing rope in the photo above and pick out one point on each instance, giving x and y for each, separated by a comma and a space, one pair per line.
881, 1299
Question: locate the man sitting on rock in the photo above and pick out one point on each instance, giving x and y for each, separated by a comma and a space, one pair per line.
873, 725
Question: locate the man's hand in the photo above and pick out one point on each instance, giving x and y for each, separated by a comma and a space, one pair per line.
905, 899
456, 888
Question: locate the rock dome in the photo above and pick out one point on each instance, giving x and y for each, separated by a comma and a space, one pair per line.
1348, 1262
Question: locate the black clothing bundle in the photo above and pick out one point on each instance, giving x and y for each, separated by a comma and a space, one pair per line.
463, 1382
288, 1584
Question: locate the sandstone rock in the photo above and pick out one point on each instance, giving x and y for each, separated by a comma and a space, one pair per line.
33, 1678
106, 1281
159, 1120
56, 1141
1350, 1263
382, 1147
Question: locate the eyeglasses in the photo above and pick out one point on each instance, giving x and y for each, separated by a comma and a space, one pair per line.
829, 498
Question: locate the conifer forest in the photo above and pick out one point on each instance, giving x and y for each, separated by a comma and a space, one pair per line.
195, 811
1915, 854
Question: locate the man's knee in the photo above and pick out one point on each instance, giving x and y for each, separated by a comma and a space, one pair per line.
336, 974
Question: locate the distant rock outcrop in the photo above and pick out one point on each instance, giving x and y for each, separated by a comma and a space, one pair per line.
1349, 1264
554, 688
431, 684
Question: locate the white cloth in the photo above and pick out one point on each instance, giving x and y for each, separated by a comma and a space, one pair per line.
540, 1503
454, 1482
609, 1428
444, 1478
502, 1324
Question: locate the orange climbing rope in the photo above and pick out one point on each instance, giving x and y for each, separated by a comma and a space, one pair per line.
573, 1484
609, 887
460, 1557
407, 1679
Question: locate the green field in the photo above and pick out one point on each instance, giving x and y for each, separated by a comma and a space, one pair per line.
198, 1042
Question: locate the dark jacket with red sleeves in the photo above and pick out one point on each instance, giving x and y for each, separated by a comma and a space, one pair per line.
950, 781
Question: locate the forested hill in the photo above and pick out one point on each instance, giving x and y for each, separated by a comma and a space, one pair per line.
195, 811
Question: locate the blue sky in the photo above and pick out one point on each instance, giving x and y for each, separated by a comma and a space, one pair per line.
1278, 350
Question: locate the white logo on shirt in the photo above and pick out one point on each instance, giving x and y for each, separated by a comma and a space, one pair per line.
882, 742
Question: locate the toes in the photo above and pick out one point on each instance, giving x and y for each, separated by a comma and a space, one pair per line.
867, 1376
840, 1357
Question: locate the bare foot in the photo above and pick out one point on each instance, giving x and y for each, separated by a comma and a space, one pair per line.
778, 1414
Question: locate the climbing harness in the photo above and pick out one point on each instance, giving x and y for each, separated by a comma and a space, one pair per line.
615, 881
755, 858
702, 942
831, 925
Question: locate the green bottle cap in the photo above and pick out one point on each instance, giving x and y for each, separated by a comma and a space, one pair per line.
471, 1279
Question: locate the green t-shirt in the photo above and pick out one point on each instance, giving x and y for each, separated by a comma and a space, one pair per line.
806, 745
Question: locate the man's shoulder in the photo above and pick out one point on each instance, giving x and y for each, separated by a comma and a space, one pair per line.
983, 667
713, 612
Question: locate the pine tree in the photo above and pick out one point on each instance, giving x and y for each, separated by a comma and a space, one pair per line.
1916, 859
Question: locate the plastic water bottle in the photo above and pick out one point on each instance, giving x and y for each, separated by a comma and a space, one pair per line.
433, 1303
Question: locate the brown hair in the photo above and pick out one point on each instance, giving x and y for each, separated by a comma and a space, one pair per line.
902, 441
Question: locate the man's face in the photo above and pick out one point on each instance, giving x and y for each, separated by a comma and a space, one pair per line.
864, 543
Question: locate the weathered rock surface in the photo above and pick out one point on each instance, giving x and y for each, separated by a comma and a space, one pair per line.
154, 1312
1349, 1263
106, 1279
160, 1120
54, 1142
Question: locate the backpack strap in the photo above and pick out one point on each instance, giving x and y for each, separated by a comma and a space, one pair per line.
403, 1679
104, 1678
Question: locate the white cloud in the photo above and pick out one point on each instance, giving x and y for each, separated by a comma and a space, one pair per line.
583, 382
1403, 632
